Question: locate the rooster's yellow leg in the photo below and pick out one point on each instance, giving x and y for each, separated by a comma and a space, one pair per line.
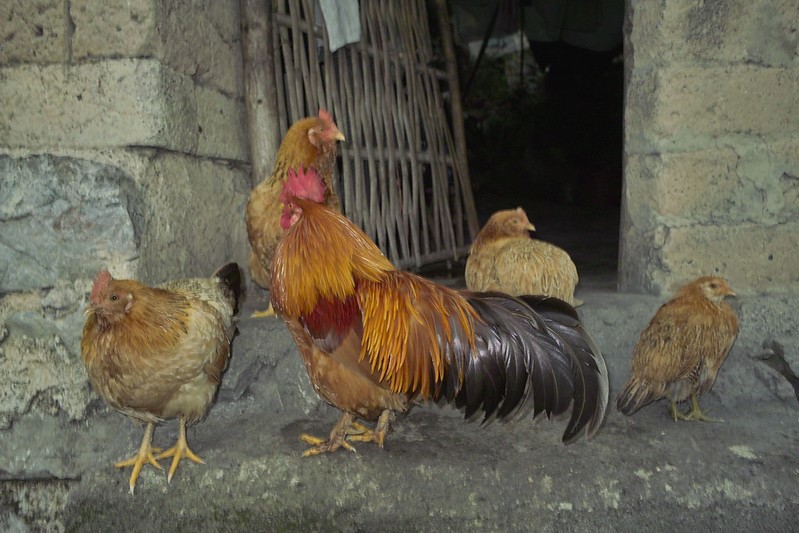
336, 440
179, 450
269, 311
378, 436
145, 455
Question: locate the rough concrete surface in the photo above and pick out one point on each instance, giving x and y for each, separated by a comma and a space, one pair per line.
643, 473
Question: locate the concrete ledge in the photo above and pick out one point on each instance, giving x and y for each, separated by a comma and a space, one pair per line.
436, 471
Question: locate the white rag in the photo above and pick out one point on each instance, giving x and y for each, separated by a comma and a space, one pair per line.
343, 21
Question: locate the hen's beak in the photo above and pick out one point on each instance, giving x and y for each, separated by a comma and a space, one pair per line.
530, 227
339, 136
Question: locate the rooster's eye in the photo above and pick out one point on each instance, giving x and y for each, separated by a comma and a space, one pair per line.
114, 297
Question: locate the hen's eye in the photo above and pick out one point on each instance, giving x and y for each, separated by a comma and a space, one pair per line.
713, 285
114, 297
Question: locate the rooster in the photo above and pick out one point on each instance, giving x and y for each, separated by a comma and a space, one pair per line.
308, 142
373, 338
504, 258
154, 353
680, 352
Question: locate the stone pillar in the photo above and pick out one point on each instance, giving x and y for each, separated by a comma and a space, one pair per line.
711, 146
122, 146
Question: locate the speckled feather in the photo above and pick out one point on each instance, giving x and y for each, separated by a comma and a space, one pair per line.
682, 349
504, 258
159, 352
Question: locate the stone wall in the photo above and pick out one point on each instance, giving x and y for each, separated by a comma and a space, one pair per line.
711, 145
122, 146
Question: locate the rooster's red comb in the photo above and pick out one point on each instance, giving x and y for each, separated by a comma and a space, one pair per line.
303, 184
101, 283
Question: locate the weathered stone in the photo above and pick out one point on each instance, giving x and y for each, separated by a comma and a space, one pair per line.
716, 31
718, 186
40, 374
723, 101
198, 39
33, 32
113, 103
62, 218
755, 259
190, 219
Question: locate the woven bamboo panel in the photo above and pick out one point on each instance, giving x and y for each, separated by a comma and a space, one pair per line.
400, 177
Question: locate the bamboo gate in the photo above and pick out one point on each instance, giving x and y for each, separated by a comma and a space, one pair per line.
403, 176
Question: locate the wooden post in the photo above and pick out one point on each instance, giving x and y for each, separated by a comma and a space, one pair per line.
457, 115
260, 92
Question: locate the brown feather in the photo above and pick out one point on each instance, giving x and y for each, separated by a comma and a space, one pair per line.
158, 352
309, 142
682, 349
504, 258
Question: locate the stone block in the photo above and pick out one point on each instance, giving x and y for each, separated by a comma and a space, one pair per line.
724, 185
62, 218
126, 102
34, 31
697, 102
197, 39
715, 31
755, 259
190, 217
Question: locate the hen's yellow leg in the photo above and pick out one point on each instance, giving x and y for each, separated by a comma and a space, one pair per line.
269, 311
178, 451
336, 440
145, 455
378, 436
693, 414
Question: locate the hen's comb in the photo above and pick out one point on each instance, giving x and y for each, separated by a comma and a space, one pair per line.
304, 184
101, 283
326, 117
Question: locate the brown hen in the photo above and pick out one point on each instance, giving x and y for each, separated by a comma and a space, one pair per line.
310, 142
679, 353
154, 353
504, 258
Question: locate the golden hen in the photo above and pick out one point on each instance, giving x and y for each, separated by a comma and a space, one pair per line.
154, 353
680, 352
308, 142
504, 258
374, 338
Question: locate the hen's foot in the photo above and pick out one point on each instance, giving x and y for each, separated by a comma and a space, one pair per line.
179, 451
269, 311
695, 413
145, 455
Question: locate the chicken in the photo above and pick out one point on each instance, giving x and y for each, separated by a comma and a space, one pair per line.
773, 355
308, 142
159, 353
374, 339
504, 258
679, 353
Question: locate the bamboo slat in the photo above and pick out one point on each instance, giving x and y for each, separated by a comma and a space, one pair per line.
403, 176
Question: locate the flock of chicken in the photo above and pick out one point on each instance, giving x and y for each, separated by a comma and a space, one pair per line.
374, 339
